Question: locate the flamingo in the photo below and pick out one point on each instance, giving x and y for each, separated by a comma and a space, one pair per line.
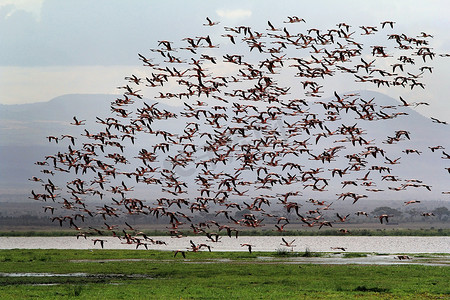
288, 244
183, 253
383, 216
210, 23
249, 246
99, 241
78, 123
339, 248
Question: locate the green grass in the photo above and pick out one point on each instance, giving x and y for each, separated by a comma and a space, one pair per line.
129, 274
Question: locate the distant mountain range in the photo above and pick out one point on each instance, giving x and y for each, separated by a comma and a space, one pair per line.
29, 124
24, 128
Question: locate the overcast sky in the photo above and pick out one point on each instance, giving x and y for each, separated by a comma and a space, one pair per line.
52, 47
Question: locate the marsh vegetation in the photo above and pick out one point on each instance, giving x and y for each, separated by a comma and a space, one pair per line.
113, 274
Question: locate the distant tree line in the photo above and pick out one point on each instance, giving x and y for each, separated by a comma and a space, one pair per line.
439, 215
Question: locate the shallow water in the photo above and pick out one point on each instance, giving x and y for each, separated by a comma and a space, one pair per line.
377, 244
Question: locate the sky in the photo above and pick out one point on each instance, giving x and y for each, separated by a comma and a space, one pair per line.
50, 48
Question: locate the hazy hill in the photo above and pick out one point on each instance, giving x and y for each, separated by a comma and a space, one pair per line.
23, 131
24, 128
29, 124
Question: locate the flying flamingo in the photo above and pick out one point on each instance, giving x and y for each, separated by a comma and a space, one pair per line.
249, 247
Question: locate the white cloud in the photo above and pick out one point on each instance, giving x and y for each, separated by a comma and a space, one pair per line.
31, 6
234, 13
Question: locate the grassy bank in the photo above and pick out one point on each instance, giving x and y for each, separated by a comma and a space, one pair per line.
323, 232
128, 274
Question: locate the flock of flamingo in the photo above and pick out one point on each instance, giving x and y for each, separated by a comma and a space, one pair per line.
253, 130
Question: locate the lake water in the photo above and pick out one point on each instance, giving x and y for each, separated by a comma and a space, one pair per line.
378, 244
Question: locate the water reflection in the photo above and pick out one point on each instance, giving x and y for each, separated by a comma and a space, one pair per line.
378, 244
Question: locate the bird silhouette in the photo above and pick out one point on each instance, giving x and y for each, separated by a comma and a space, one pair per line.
256, 146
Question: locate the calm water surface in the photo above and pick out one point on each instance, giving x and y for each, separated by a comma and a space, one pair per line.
391, 244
